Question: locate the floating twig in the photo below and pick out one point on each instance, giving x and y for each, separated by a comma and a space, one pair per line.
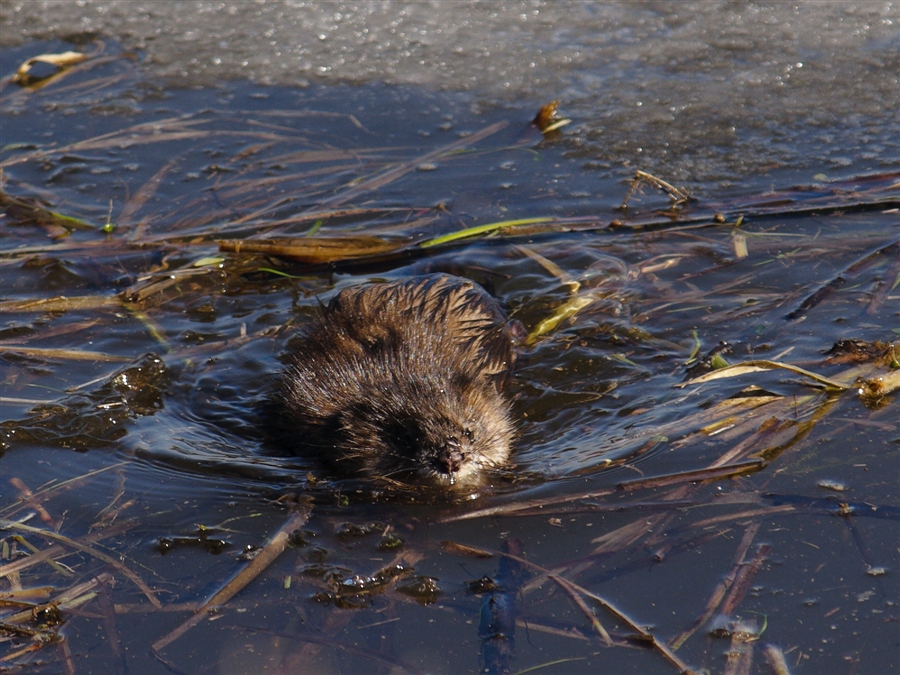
61, 303
742, 580
739, 657
72, 543
763, 365
677, 196
47, 491
643, 634
277, 543
732, 586
849, 273
29, 210
775, 658
709, 473
64, 354
314, 250
69, 599
483, 229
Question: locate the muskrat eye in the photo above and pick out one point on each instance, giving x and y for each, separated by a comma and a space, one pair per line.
468, 434
404, 438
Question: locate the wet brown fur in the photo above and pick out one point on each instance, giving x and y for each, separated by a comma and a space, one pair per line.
401, 380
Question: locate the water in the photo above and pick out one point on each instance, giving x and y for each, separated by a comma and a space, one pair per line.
713, 93
168, 410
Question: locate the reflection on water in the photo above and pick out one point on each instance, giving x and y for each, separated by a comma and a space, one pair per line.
143, 354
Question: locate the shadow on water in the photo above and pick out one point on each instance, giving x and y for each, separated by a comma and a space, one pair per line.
655, 518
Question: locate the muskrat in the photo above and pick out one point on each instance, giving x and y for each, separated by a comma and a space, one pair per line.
403, 380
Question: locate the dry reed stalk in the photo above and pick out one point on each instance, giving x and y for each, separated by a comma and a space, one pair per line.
276, 545
722, 587
643, 634
72, 543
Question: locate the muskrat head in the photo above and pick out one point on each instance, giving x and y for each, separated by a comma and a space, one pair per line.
446, 435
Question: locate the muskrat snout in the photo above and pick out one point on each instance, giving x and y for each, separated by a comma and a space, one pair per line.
450, 458
449, 462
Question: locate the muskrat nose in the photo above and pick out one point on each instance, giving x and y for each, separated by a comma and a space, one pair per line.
449, 459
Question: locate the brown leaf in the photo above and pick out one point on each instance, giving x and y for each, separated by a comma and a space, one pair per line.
24, 76
548, 118
314, 250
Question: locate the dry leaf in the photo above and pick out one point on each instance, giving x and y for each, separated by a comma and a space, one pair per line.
24, 77
761, 365
314, 250
548, 118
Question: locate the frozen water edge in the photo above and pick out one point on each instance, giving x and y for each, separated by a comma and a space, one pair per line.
702, 91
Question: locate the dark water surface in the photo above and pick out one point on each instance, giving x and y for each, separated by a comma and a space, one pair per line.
165, 347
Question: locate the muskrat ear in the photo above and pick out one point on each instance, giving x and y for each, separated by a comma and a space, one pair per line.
462, 382
517, 332
323, 308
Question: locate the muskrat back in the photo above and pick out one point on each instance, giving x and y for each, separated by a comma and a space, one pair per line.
403, 379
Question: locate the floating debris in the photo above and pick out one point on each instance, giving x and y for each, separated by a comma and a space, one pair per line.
33, 78
832, 485
678, 197
549, 120
315, 250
